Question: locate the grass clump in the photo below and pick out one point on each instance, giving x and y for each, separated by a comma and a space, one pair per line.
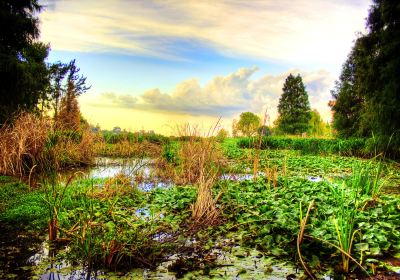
35, 143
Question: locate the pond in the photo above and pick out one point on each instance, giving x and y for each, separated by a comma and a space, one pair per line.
230, 261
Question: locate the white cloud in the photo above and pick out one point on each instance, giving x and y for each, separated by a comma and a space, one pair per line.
301, 31
228, 95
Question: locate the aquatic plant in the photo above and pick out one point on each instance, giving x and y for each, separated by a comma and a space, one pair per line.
347, 203
54, 196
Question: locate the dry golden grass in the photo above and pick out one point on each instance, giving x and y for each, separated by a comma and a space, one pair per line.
27, 145
126, 148
200, 164
22, 145
205, 210
119, 185
271, 173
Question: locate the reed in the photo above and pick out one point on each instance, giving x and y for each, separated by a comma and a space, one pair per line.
23, 144
346, 199
200, 163
205, 210
300, 236
31, 143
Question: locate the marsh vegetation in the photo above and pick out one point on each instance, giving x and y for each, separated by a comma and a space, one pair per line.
196, 207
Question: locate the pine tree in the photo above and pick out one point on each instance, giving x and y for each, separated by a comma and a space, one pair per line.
294, 107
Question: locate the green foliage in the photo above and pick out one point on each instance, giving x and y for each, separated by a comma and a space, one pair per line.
317, 127
294, 107
248, 123
348, 102
21, 208
122, 229
267, 218
23, 72
264, 131
367, 94
221, 135
354, 146
171, 152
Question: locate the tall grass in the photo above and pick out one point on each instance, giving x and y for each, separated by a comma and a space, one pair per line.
200, 163
127, 148
32, 143
344, 221
23, 144
365, 182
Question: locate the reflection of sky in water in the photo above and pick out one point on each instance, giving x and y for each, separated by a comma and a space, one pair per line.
239, 177
110, 167
314, 179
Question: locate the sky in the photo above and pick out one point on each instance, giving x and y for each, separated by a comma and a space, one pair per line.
154, 65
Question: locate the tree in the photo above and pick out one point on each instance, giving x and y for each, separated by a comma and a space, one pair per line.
368, 100
23, 73
294, 107
221, 135
235, 132
69, 117
248, 123
379, 70
348, 103
62, 77
317, 125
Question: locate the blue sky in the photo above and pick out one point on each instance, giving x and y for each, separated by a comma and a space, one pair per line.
152, 63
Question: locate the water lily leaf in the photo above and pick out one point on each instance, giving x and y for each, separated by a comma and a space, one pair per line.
362, 246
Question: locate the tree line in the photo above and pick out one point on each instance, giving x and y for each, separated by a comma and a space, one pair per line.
28, 83
295, 115
366, 97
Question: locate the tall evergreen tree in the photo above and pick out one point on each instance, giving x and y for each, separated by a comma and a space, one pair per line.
23, 73
294, 107
379, 70
367, 95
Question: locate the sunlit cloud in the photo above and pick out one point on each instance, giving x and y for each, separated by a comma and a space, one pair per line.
296, 31
225, 96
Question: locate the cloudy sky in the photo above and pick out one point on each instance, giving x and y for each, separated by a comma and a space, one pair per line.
155, 64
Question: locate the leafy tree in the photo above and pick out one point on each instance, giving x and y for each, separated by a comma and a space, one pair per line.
248, 123
23, 73
294, 107
235, 132
58, 73
221, 135
317, 125
62, 77
348, 103
367, 95
379, 69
